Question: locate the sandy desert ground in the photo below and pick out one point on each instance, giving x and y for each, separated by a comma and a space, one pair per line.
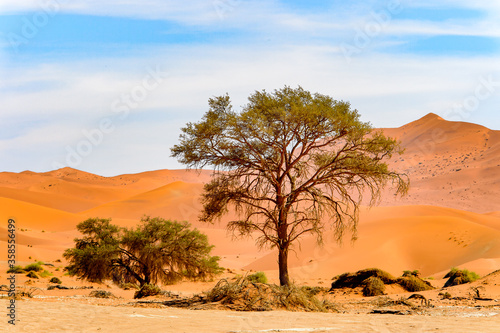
451, 218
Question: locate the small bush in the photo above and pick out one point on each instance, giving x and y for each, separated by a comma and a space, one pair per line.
32, 275
36, 267
414, 284
101, 294
445, 295
258, 277
46, 273
16, 270
456, 276
55, 280
353, 280
128, 286
147, 290
415, 273
313, 291
374, 286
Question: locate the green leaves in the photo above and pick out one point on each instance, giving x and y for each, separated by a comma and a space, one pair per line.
155, 251
288, 162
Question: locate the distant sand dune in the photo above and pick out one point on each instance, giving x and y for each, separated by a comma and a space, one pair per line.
451, 216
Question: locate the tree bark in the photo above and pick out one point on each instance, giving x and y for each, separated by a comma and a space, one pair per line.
283, 265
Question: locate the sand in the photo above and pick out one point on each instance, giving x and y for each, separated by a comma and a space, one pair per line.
78, 316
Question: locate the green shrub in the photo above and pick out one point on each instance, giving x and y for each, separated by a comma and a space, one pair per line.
456, 276
353, 280
45, 273
374, 286
414, 284
258, 277
415, 273
147, 290
32, 275
16, 270
36, 267
55, 280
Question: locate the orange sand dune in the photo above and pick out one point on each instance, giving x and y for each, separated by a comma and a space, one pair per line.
176, 201
30, 216
73, 190
72, 204
406, 240
451, 164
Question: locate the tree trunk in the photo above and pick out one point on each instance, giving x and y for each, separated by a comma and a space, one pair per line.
283, 265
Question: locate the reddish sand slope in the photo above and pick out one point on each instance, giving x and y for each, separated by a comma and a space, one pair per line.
400, 238
450, 164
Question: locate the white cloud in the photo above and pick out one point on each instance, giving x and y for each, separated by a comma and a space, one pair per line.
71, 96
387, 90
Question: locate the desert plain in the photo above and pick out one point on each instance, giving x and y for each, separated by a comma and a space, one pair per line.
450, 218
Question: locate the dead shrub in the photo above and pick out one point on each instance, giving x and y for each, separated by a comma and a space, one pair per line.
101, 294
248, 296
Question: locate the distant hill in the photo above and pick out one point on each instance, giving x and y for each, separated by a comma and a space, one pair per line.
451, 216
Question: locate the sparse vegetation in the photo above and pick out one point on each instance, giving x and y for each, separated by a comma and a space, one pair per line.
445, 295
147, 290
128, 286
155, 251
353, 280
373, 286
45, 273
373, 281
17, 269
259, 277
101, 294
32, 275
36, 267
456, 276
415, 273
55, 280
414, 284
248, 296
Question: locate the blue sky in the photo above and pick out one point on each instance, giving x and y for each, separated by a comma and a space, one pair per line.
104, 86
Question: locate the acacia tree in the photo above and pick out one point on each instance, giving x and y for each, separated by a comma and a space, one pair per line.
156, 250
290, 163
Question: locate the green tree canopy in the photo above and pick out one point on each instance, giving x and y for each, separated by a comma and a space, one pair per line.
290, 163
155, 251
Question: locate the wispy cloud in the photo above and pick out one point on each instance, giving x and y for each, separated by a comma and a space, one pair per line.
66, 79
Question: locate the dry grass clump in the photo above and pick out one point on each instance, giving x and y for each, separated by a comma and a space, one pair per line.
245, 295
101, 294
456, 276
